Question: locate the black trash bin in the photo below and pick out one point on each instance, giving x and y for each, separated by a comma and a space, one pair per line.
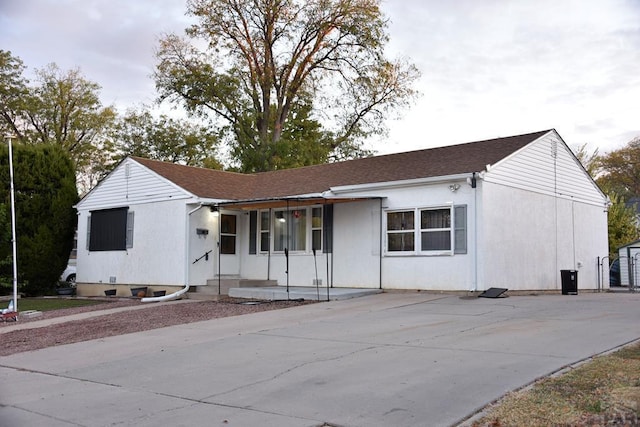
569, 282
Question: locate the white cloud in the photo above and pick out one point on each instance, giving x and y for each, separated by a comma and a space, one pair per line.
494, 68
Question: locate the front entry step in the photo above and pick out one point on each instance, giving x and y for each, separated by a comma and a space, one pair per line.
215, 288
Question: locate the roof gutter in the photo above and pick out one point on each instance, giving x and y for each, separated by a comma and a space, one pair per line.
398, 184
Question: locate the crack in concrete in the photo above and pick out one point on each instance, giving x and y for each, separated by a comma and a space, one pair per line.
191, 401
291, 369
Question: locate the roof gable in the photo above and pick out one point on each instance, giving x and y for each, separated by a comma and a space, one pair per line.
433, 162
202, 182
131, 182
547, 166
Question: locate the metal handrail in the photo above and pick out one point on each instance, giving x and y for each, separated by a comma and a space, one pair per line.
205, 255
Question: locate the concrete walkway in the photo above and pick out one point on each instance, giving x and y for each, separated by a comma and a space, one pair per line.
39, 323
394, 359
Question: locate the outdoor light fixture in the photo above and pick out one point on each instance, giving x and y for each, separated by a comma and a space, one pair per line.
454, 187
214, 210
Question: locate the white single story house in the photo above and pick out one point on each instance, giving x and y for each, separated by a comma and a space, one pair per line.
629, 256
508, 212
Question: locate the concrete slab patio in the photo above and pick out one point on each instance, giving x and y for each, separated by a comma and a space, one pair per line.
274, 293
393, 359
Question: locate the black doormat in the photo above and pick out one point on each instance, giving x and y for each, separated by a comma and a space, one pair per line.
493, 293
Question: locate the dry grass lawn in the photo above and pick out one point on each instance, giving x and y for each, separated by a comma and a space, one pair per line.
602, 392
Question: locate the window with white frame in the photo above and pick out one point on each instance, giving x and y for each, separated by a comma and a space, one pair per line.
264, 231
316, 229
436, 230
400, 231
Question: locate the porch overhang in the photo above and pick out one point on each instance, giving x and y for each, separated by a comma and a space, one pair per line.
289, 202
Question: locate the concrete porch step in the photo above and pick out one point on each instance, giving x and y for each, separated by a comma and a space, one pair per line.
203, 297
216, 288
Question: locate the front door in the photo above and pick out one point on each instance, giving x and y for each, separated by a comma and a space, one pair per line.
229, 247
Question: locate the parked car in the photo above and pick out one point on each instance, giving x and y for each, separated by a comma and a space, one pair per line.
69, 274
614, 273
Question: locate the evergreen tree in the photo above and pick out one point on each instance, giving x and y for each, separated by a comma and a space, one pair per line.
45, 192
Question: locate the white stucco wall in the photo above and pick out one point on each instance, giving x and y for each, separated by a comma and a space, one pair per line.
528, 237
433, 272
199, 244
157, 255
541, 213
359, 241
356, 248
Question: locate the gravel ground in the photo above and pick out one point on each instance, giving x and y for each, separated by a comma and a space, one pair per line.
101, 326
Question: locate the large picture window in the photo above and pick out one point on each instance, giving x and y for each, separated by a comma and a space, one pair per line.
302, 229
290, 230
110, 230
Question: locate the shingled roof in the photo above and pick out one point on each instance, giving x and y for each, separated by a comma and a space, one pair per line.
433, 162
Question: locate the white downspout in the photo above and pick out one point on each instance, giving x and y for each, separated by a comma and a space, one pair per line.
184, 290
474, 186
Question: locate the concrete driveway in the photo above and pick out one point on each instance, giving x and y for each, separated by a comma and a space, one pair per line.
395, 359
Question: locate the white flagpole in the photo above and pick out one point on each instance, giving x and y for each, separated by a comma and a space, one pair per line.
13, 230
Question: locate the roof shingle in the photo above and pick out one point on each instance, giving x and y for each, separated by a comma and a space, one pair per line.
441, 161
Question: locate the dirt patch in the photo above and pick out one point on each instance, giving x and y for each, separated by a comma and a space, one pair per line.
107, 325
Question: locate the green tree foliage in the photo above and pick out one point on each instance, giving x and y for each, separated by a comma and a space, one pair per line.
170, 140
272, 66
618, 175
13, 90
621, 170
623, 226
45, 191
590, 160
62, 108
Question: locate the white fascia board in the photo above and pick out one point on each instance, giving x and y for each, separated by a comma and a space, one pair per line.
187, 198
399, 184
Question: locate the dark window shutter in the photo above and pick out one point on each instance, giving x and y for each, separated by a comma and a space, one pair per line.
327, 229
460, 229
253, 232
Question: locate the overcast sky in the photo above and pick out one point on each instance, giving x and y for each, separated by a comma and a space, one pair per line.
490, 68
